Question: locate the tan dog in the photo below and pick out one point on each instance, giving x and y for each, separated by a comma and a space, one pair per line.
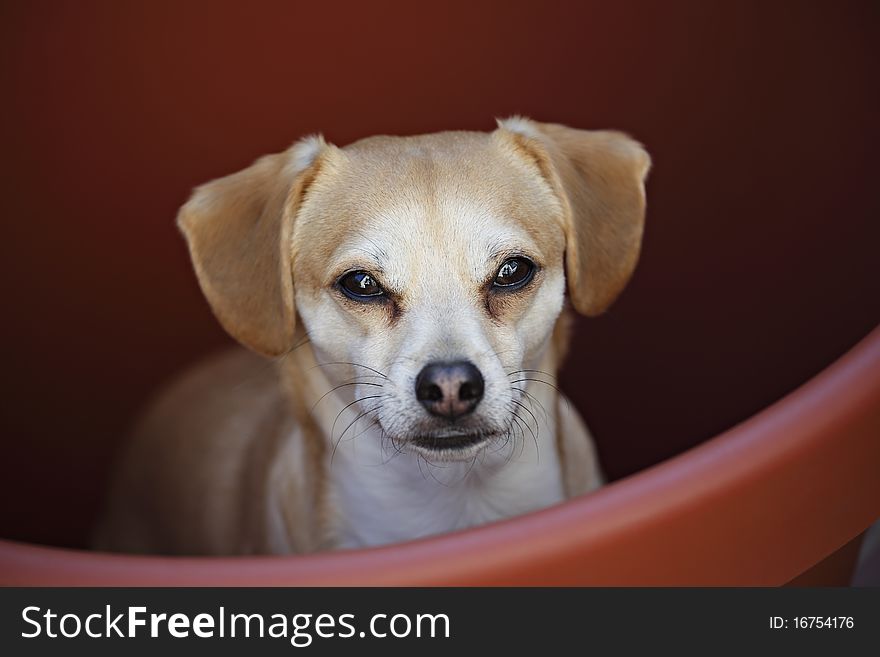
410, 291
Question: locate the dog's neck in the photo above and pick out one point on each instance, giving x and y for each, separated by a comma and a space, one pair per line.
373, 494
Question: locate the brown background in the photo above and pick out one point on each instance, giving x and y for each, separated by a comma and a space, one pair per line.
760, 262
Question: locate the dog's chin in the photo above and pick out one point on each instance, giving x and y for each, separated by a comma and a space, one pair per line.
449, 447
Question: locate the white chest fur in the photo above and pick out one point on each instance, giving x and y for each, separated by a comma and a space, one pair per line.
383, 496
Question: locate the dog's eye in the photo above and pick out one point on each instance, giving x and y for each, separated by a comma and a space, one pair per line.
514, 273
360, 285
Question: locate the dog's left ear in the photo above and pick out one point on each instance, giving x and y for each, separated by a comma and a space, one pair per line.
599, 177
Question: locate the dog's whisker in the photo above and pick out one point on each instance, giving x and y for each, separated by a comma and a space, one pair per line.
355, 421
537, 381
349, 426
532, 415
373, 423
343, 362
339, 440
532, 401
396, 451
430, 465
513, 425
469, 469
349, 405
282, 357
344, 385
434, 477
387, 439
397, 445
537, 428
522, 426
419, 463
548, 374
532, 375
500, 441
561, 395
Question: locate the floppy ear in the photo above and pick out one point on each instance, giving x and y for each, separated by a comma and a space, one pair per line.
238, 230
599, 177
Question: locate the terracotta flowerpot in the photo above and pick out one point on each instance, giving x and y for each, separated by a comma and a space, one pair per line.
758, 505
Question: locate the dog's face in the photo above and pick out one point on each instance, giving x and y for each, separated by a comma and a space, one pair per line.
437, 263
429, 271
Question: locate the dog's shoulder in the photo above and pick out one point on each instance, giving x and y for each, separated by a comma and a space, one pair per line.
186, 474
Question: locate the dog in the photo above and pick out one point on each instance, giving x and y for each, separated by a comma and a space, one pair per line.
406, 304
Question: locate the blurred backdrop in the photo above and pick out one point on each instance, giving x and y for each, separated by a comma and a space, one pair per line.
760, 263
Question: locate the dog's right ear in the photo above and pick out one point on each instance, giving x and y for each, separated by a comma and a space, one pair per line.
238, 229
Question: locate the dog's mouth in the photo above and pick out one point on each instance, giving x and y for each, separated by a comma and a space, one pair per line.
450, 446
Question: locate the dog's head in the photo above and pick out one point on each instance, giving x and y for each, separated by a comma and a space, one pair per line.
434, 266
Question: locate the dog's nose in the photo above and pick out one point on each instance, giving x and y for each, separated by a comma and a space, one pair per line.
449, 389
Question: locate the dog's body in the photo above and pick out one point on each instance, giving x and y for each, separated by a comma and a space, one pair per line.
411, 291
